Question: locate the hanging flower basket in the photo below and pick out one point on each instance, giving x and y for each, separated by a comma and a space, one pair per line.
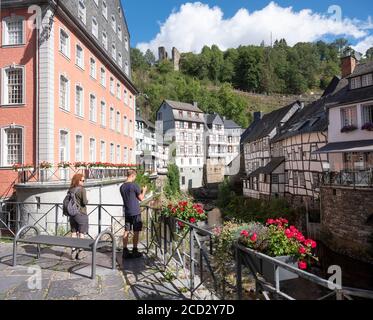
64, 165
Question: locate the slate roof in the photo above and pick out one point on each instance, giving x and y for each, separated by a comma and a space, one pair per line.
345, 95
183, 106
347, 146
269, 121
213, 118
230, 124
361, 69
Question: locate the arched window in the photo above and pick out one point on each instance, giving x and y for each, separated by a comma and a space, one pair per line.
114, 23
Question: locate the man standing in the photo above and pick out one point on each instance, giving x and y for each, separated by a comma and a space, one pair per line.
132, 195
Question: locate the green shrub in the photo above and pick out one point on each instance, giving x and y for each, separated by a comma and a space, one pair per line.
172, 187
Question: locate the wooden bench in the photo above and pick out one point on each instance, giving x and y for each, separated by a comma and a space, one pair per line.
86, 244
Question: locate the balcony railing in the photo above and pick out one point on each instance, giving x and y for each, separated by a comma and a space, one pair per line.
353, 179
62, 175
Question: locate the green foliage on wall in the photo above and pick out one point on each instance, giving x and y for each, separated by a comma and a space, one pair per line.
172, 187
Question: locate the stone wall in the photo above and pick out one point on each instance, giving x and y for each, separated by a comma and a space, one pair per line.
345, 215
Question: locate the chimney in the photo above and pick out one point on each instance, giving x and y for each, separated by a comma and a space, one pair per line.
258, 116
348, 65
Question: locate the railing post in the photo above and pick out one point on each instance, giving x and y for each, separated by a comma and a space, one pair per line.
147, 230
99, 218
18, 217
238, 273
192, 265
165, 244
56, 219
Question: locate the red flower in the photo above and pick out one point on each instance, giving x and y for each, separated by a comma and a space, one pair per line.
310, 243
300, 237
254, 237
302, 250
245, 233
200, 211
182, 209
173, 210
192, 220
302, 265
180, 224
289, 233
270, 221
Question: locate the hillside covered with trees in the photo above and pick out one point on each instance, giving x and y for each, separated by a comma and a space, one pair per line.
218, 80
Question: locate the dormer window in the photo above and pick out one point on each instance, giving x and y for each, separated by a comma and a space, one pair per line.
355, 83
180, 113
82, 11
367, 80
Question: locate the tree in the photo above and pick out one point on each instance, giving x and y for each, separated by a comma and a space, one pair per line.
137, 59
248, 67
172, 187
340, 44
149, 57
369, 54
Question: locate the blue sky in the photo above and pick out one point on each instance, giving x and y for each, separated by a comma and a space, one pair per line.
144, 18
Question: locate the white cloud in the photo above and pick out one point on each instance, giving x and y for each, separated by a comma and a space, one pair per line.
195, 25
364, 45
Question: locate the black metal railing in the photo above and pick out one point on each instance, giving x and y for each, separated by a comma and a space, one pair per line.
353, 179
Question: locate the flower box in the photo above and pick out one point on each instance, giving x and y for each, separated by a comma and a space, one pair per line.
368, 126
347, 129
269, 270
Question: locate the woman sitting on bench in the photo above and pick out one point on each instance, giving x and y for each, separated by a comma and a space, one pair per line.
79, 223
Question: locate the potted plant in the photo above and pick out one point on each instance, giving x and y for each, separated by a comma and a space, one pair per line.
348, 128
368, 126
283, 242
44, 166
185, 211
64, 169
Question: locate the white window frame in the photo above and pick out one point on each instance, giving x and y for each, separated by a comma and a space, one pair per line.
120, 33
118, 154
112, 86
81, 115
112, 152
119, 91
126, 44
102, 151
79, 159
126, 68
103, 77
95, 27
112, 118
113, 23
114, 51
67, 53
355, 83
92, 108
365, 115
367, 80
103, 113
5, 31
92, 153
92, 68
67, 93
67, 145
79, 63
118, 118
105, 40
104, 9
120, 59
349, 114
82, 11
3, 152
4, 86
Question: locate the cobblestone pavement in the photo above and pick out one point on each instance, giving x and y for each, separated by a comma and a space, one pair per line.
64, 279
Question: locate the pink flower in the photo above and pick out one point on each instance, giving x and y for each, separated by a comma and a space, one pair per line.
245, 233
310, 243
192, 220
302, 250
254, 237
302, 265
270, 221
180, 224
